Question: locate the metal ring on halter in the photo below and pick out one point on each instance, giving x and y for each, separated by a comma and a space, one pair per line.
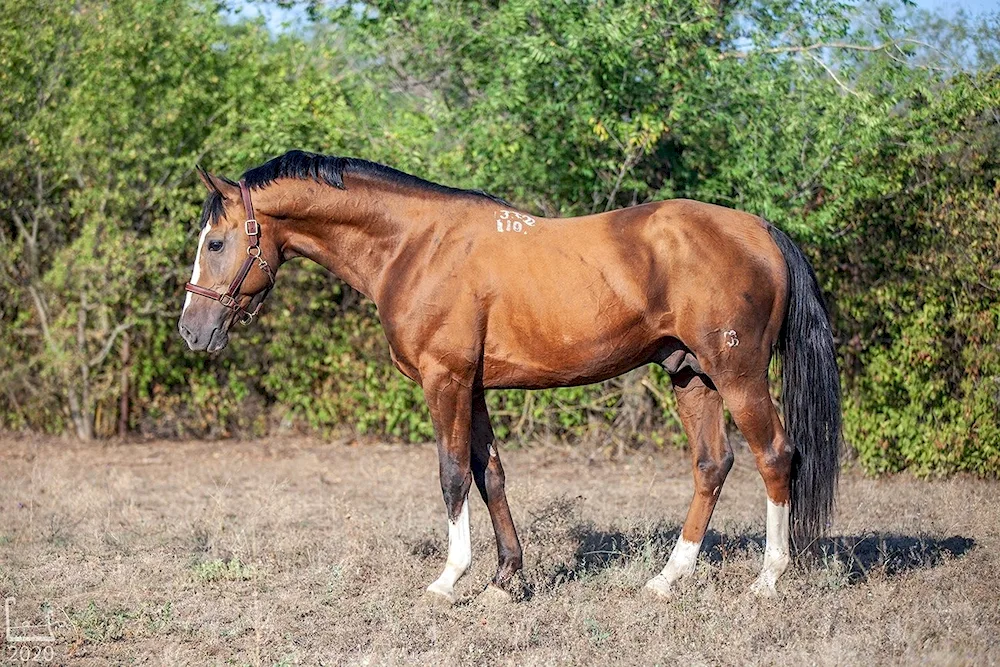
266, 268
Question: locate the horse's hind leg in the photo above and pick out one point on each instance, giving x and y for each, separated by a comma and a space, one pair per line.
750, 404
700, 409
488, 473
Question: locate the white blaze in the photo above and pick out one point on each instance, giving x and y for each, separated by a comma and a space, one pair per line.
459, 554
196, 273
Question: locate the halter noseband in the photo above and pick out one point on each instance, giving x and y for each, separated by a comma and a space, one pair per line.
253, 255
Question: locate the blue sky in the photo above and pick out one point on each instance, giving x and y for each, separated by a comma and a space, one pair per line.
276, 16
948, 7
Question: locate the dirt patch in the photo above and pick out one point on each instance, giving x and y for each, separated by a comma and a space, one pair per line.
299, 552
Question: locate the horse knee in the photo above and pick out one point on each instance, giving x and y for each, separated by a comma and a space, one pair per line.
455, 483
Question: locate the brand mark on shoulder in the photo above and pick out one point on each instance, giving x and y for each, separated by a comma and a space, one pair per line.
512, 221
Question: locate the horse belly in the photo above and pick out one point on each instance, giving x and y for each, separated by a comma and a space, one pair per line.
537, 351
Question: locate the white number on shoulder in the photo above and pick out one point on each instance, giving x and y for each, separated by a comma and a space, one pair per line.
512, 221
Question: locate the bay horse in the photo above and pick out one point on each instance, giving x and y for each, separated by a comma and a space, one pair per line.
475, 294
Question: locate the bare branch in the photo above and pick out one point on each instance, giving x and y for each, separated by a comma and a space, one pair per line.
844, 46
19, 222
631, 159
843, 86
660, 396
43, 318
99, 358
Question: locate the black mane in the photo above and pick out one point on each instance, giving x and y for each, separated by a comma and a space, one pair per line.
330, 169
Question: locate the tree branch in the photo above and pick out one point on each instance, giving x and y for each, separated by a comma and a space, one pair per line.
98, 358
841, 84
43, 317
845, 46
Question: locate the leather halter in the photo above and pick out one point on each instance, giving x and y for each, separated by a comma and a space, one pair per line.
228, 299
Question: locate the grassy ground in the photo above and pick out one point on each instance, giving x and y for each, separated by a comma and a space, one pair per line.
298, 552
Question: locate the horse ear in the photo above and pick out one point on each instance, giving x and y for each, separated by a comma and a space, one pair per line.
220, 184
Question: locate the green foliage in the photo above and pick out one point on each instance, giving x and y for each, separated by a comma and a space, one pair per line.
923, 295
98, 625
222, 570
879, 155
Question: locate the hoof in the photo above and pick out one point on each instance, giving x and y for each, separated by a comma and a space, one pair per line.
440, 593
658, 588
764, 588
494, 596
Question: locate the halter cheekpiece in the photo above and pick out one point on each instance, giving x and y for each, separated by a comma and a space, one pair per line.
254, 256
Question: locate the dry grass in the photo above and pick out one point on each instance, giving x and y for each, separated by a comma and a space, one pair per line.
298, 552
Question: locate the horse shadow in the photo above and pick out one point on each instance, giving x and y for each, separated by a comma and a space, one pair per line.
856, 558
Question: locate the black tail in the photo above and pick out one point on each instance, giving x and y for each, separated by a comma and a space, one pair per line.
810, 395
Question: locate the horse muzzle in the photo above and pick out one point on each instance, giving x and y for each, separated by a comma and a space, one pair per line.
205, 338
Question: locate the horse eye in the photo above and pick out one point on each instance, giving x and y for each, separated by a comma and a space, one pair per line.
215, 246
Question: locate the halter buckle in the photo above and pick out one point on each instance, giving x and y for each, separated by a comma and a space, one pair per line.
251, 227
227, 301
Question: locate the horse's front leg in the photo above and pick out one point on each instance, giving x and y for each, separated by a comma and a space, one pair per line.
449, 396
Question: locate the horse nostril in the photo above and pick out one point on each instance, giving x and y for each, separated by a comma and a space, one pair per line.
188, 335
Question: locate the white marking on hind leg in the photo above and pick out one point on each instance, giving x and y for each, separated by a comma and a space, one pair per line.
681, 564
459, 555
776, 554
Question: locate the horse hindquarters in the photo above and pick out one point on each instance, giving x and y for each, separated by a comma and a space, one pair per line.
799, 468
